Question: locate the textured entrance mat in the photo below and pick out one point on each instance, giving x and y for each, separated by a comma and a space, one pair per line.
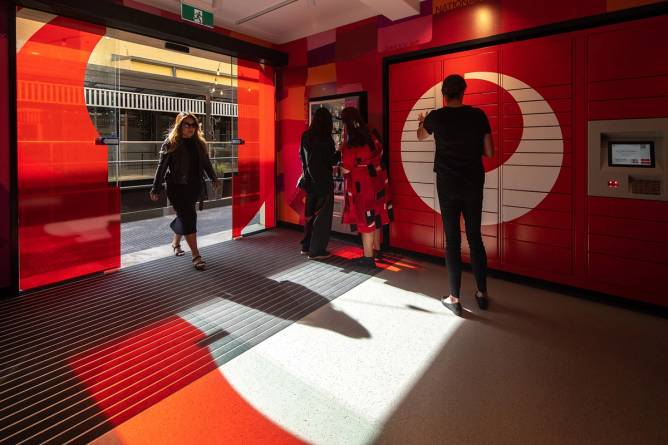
79, 359
155, 232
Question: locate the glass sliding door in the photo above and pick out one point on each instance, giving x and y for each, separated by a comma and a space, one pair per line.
69, 223
156, 84
94, 105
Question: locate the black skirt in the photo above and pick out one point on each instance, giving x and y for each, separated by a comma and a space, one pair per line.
183, 198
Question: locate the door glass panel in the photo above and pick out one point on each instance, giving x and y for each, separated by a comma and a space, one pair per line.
253, 186
69, 222
94, 105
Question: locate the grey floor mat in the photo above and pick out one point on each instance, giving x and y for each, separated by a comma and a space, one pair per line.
80, 358
154, 232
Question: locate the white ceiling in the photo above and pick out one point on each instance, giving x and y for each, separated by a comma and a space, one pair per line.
295, 20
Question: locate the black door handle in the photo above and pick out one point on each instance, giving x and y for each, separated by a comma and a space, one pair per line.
107, 140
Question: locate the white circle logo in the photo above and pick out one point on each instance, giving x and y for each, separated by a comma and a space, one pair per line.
536, 162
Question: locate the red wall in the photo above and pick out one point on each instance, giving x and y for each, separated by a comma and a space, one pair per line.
613, 246
349, 58
5, 260
627, 240
617, 246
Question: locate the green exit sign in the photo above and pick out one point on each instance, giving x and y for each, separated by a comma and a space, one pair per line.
196, 15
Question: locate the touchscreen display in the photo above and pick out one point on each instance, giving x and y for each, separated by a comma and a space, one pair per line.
631, 154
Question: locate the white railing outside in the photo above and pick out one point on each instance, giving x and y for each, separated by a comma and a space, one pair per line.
98, 97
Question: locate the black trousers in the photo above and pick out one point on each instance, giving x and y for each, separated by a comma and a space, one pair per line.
318, 225
451, 211
183, 198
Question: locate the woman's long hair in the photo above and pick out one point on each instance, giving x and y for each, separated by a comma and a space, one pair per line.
357, 131
174, 134
321, 125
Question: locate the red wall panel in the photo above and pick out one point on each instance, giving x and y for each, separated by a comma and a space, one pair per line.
604, 244
651, 251
412, 236
633, 208
631, 228
414, 217
5, 251
546, 218
638, 108
628, 51
541, 235
630, 278
544, 62
551, 240
538, 257
627, 73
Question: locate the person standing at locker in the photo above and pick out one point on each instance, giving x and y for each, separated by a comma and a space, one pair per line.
366, 206
463, 135
318, 155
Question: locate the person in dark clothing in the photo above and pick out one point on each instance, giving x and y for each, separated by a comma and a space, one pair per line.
183, 161
366, 206
318, 154
463, 136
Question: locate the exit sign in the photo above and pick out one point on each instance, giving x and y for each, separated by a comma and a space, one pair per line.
196, 15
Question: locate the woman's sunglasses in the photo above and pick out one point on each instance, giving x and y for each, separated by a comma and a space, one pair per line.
189, 124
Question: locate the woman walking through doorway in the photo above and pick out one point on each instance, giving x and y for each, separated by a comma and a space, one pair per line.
183, 161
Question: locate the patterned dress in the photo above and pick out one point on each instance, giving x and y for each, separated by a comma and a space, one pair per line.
367, 204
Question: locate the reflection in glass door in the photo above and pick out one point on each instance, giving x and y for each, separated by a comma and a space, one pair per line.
155, 85
69, 222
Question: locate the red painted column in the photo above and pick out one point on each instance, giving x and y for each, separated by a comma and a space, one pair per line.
253, 186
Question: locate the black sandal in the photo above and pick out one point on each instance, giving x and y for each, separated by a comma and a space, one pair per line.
199, 263
482, 300
177, 250
456, 308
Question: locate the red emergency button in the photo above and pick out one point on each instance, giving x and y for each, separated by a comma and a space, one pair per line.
613, 184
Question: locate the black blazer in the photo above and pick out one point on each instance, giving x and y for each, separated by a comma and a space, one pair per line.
318, 155
173, 167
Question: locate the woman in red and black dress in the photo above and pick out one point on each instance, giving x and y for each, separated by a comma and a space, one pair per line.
366, 206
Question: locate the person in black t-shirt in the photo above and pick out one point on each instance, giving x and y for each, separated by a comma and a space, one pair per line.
463, 136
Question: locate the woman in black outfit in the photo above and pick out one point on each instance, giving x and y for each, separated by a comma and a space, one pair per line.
183, 160
318, 154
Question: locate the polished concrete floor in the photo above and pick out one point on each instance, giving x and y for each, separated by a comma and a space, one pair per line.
386, 363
